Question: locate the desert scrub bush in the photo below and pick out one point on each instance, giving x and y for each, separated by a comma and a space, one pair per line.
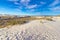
14, 22
49, 19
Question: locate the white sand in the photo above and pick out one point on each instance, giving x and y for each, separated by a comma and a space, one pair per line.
34, 30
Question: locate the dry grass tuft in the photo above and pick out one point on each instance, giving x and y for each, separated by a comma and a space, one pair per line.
14, 21
49, 19
7, 21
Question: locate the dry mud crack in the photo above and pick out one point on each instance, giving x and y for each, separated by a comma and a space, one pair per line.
34, 30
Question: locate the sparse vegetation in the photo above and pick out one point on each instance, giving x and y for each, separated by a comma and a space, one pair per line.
6, 21
49, 19
14, 21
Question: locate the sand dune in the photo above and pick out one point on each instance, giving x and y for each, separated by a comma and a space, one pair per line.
34, 30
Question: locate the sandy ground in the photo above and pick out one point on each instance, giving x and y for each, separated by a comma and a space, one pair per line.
34, 30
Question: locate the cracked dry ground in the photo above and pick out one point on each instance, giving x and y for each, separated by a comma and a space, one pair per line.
34, 30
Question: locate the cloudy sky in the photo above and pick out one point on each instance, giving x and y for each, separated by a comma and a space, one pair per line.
30, 7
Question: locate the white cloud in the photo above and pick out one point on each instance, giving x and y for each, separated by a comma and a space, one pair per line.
42, 2
13, 0
16, 3
25, 1
31, 6
54, 3
55, 8
17, 9
32, 10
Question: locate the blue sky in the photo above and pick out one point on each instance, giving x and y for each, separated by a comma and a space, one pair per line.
30, 7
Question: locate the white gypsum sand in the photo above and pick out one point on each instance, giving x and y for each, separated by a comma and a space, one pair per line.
34, 30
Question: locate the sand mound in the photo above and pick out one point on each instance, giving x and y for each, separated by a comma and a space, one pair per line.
35, 30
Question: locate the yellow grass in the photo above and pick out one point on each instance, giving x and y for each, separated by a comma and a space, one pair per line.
15, 21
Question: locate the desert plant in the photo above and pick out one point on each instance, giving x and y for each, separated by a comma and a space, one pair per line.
50, 19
